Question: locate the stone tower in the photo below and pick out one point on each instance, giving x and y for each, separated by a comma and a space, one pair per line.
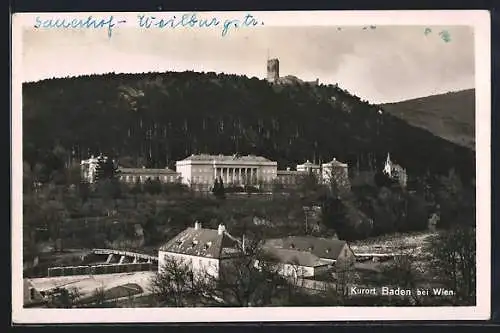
273, 70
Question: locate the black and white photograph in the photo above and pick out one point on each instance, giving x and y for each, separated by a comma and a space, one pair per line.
294, 165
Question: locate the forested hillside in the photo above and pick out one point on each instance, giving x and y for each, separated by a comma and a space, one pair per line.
450, 116
154, 119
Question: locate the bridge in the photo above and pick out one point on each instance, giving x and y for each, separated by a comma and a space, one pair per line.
124, 254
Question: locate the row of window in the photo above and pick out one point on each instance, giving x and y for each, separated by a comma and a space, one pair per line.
236, 170
133, 179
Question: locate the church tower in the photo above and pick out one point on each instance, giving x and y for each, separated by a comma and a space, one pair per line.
273, 70
388, 166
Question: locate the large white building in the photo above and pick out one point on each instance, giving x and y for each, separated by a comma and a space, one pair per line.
203, 169
205, 251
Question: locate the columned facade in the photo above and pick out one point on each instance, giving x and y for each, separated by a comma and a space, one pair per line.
236, 175
233, 170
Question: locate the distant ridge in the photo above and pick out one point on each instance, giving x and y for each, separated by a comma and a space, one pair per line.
450, 116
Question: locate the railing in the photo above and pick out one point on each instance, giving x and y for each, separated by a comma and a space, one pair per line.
125, 253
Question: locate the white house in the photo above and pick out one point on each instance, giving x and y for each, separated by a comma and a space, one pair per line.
88, 168
308, 256
298, 264
309, 168
205, 250
336, 172
203, 169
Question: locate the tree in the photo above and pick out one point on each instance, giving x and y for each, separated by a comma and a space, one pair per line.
152, 186
63, 298
218, 189
456, 202
250, 279
404, 272
176, 285
344, 275
454, 256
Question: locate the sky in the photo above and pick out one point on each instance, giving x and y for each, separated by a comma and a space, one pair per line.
380, 65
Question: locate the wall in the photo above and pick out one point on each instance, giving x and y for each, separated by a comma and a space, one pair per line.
99, 269
294, 270
202, 174
346, 254
184, 170
320, 270
267, 173
198, 264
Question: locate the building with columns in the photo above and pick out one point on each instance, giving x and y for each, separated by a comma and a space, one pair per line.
203, 169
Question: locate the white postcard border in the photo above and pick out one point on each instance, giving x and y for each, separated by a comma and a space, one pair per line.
480, 20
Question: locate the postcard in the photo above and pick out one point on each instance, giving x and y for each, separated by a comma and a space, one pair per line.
250, 166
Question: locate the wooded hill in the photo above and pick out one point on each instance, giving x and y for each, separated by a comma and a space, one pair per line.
450, 116
154, 119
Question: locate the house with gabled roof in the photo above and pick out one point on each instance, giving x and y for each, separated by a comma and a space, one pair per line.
309, 255
298, 264
205, 250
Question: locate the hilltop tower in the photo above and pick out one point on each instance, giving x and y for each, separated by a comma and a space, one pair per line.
273, 70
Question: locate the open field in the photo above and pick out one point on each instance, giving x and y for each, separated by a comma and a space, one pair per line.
414, 241
87, 284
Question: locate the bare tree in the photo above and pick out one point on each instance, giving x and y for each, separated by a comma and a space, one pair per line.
405, 271
344, 275
175, 284
251, 278
454, 255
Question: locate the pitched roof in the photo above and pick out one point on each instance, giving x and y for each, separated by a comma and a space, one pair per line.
323, 248
224, 158
308, 164
202, 243
334, 162
301, 258
144, 171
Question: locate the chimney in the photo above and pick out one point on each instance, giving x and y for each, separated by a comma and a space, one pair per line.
243, 245
221, 229
197, 225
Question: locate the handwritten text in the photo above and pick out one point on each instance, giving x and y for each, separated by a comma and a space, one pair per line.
193, 21
90, 23
146, 21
